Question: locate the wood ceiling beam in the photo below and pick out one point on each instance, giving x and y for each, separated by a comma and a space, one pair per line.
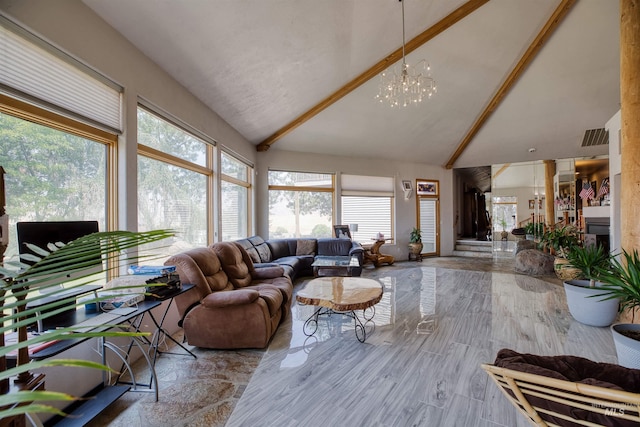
379, 67
552, 23
502, 169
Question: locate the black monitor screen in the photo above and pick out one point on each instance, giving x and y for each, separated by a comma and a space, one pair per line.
41, 234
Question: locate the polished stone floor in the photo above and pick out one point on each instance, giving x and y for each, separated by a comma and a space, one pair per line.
437, 322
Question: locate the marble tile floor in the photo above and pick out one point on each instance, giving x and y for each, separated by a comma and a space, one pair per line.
437, 322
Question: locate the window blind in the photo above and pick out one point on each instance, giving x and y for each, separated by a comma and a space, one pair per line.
33, 73
362, 185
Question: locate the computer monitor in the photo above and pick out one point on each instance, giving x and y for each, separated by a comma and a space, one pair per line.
41, 234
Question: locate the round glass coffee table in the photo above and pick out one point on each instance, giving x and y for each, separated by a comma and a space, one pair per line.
342, 295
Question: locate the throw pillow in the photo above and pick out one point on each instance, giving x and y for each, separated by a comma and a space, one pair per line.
306, 247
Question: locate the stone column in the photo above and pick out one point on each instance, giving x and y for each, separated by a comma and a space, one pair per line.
549, 195
630, 112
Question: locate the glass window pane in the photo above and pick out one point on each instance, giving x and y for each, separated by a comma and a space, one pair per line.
371, 214
234, 211
157, 133
300, 179
50, 175
233, 167
299, 214
175, 198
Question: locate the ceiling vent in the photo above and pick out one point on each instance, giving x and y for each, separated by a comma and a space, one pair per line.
594, 137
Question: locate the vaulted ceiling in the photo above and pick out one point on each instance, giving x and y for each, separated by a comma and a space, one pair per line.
261, 64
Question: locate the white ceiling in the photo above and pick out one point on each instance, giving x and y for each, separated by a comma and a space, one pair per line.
261, 63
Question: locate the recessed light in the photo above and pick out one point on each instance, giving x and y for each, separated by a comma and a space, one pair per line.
532, 150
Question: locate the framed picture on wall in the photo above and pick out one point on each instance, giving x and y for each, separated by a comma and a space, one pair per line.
342, 231
532, 204
427, 188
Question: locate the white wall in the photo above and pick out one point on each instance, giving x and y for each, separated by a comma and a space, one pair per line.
405, 210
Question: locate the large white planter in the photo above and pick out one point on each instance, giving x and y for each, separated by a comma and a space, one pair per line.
628, 349
585, 308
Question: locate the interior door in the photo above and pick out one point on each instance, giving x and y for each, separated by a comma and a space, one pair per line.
429, 220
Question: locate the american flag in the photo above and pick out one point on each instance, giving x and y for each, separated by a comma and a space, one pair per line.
587, 192
604, 188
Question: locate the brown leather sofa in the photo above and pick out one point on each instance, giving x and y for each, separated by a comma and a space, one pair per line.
233, 304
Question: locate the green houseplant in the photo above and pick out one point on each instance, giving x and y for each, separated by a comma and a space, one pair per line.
622, 281
503, 223
582, 293
51, 269
559, 240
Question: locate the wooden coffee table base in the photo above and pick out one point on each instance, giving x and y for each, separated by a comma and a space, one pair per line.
341, 295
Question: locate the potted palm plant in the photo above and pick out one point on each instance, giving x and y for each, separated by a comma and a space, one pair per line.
622, 281
415, 242
504, 235
582, 292
51, 269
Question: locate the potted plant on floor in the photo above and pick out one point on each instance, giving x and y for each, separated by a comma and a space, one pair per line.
622, 280
504, 234
558, 242
51, 269
582, 292
415, 243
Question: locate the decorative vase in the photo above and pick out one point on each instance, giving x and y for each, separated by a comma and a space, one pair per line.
586, 308
415, 248
627, 349
564, 271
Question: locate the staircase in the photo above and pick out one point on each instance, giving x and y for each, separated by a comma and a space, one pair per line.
473, 248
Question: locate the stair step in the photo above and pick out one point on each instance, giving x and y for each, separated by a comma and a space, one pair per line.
473, 254
472, 242
476, 248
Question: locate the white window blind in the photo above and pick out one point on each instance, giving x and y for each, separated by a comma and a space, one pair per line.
28, 69
428, 226
366, 185
368, 202
372, 214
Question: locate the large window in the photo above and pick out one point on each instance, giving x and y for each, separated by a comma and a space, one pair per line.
300, 204
51, 175
174, 181
367, 201
235, 196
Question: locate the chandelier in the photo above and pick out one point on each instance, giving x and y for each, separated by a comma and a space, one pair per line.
404, 85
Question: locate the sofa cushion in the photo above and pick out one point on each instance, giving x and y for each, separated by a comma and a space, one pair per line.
280, 248
306, 247
572, 368
272, 296
265, 252
333, 247
233, 263
577, 370
256, 240
250, 249
230, 298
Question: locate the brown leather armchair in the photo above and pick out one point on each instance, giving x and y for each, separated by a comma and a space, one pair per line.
233, 305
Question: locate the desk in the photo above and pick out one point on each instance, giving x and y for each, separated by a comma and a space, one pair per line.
128, 323
155, 339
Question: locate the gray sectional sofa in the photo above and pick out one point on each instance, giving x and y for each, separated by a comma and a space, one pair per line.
297, 255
